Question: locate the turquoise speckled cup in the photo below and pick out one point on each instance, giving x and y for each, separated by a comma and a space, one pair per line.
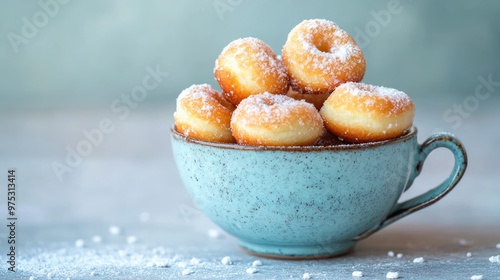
313, 201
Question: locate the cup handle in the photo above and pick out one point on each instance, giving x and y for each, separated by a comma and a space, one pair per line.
440, 140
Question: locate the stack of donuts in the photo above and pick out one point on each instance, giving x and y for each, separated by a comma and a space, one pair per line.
313, 91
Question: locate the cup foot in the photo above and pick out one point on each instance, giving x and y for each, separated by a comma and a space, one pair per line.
288, 252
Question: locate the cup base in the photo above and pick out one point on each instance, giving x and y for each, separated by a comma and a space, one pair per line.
293, 252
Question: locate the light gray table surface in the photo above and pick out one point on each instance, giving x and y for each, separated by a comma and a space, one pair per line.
132, 172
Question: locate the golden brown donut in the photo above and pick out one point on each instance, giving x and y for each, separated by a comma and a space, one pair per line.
319, 56
276, 120
359, 112
315, 99
248, 66
203, 113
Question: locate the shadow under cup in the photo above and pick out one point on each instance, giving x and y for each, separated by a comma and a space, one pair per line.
312, 201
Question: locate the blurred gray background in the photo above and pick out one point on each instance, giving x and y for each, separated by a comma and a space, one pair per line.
65, 66
88, 53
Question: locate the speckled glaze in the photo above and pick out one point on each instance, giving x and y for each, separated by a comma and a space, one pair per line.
308, 202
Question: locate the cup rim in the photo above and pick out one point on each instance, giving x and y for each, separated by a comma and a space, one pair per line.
411, 132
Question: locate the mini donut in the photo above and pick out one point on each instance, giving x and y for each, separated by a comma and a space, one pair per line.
203, 113
248, 66
319, 56
276, 120
315, 99
359, 112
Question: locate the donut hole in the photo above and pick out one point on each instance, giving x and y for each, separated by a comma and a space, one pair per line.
323, 45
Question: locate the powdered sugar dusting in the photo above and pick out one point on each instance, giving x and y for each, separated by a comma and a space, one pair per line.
398, 99
195, 93
272, 109
63, 261
326, 46
277, 119
202, 94
252, 52
342, 52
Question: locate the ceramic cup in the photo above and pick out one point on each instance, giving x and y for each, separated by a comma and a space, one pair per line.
313, 201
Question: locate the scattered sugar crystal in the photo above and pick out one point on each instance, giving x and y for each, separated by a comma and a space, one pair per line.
144, 217
131, 239
476, 277
213, 233
462, 242
306, 276
226, 260
187, 271
392, 275
195, 261
399, 255
79, 243
469, 254
92, 273
396, 98
181, 264
32, 277
256, 263
96, 238
390, 254
357, 274
495, 259
150, 264
251, 270
114, 230
418, 260
50, 275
